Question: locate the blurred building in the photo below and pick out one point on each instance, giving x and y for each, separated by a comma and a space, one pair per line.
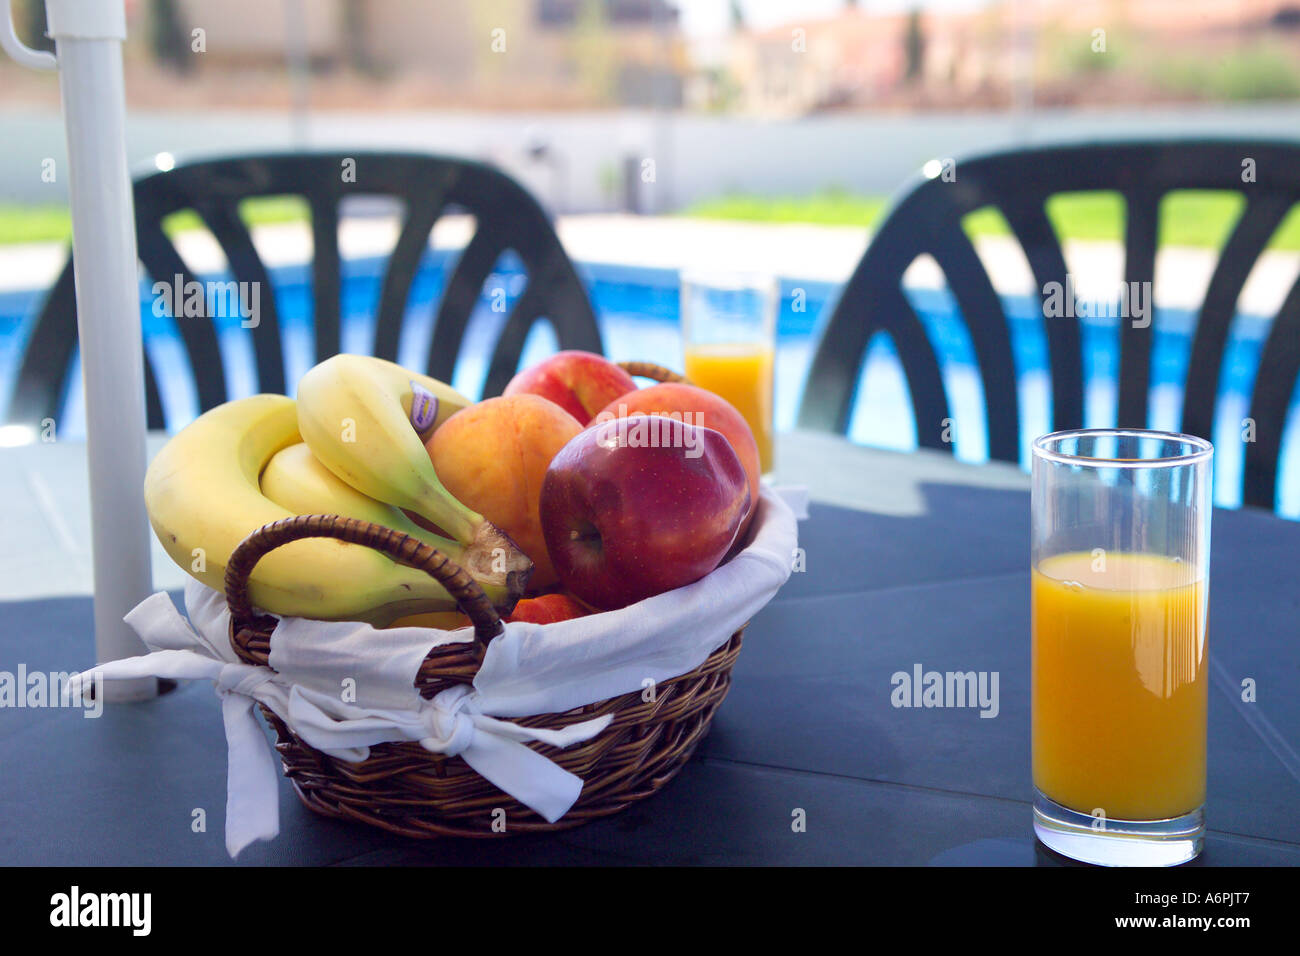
860, 59
479, 52
542, 55
993, 56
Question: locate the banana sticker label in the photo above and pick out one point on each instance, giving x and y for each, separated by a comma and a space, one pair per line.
424, 407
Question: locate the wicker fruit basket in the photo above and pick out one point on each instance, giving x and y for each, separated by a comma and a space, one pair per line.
407, 790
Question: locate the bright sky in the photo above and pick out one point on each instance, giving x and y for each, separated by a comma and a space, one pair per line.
708, 18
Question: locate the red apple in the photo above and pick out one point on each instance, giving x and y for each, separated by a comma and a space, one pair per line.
638, 506
696, 406
581, 383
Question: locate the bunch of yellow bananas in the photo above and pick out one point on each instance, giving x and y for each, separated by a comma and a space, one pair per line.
352, 444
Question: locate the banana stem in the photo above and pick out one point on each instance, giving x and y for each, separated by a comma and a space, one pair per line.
449, 514
496, 562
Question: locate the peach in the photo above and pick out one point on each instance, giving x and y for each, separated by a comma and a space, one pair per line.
678, 400
581, 383
493, 457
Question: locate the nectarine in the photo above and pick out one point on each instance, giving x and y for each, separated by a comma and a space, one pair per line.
548, 609
493, 456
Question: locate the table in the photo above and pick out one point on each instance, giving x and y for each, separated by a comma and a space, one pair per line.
911, 559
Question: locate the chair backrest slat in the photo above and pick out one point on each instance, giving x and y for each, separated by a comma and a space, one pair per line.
326, 275
872, 301
154, 416
48, 356
1141, 224
528, 308
1275, 384
197, 332
459, 297
421, 213
1027, 217
921, 368
975, 295
248, 270
1256, 225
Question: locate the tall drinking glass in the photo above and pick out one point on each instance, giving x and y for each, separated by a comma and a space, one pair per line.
729, 333
1120, 577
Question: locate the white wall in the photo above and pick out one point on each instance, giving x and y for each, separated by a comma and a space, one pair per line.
706, 155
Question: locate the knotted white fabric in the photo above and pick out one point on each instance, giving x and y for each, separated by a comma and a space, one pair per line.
344, 686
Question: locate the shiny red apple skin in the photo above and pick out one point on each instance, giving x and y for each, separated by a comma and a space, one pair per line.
582, 383
624, 522
699, 407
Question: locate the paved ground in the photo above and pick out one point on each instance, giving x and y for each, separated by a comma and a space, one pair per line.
820, 253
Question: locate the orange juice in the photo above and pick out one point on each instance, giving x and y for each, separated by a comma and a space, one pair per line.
1119, 684
742, 374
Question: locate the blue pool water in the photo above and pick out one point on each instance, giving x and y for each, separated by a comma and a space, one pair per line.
638, 310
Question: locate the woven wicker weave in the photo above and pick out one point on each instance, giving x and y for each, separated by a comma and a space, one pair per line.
405, 789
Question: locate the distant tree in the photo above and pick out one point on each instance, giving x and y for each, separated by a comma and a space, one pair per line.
913, 47
737, 16
356, 50
168, 40
595, 54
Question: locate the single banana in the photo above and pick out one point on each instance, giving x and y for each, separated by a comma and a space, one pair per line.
356, 414
203, 496
438, 620
296, 480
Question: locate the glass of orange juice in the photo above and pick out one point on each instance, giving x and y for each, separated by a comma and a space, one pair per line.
729, 336
1119, 582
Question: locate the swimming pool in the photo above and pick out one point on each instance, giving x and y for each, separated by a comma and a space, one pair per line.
638, 312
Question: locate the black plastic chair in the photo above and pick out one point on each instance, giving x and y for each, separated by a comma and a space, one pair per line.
506, 217
927, 219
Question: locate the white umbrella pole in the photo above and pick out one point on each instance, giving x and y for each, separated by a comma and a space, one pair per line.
88, 36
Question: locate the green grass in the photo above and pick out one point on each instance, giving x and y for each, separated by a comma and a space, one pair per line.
1201, 219
52, 223
830, 208
1259, 71
34, 224
1188, 218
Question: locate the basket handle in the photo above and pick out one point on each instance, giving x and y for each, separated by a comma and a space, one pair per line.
652, 371
402, 548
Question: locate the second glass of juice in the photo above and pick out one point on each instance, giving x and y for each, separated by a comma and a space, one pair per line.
1119, 682
729, 336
